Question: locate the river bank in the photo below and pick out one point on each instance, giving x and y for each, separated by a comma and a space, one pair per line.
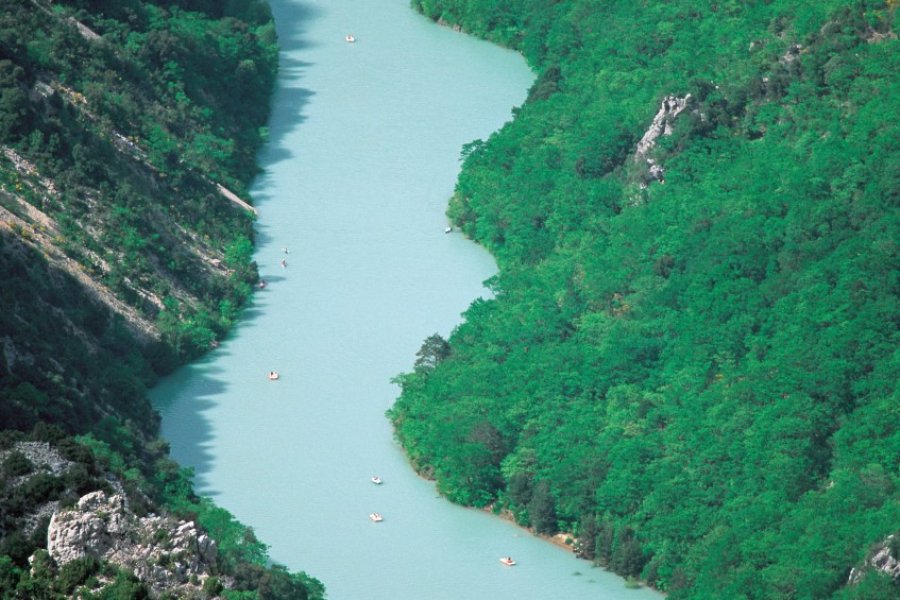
363, 155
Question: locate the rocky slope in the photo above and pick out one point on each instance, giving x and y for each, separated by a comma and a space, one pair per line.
167, 554
128, 140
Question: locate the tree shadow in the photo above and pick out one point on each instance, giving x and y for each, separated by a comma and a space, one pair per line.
186, 397
290, 98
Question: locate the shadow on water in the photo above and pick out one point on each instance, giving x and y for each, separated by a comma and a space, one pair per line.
196, 389
292, 20
203, 391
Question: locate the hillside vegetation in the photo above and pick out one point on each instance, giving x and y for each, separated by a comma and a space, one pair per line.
127, 129
692, 357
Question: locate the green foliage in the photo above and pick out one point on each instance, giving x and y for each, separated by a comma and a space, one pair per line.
13, 101
16, 464
134, 128
275, 584
212, 587
434, 349
44, 579
542, 509
119, 142
75, 573
697, 377
9, 574
125, 587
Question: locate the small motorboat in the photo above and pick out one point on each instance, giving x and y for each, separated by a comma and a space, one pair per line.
448, 230
273, 375
349, 38
376, 480
508, 561
376, 517
262, 284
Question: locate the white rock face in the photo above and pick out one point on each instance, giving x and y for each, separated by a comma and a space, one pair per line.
163, 552
882, 561
41, 455
671, 107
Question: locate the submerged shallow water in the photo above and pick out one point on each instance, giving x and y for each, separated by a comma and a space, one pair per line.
365, 140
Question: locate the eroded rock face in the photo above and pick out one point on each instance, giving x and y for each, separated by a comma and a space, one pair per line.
671, 107
167, 554
882, 560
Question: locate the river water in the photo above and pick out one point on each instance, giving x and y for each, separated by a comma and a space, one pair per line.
364, 149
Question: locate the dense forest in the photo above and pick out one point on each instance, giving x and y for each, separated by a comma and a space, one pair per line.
128, 136
690, 360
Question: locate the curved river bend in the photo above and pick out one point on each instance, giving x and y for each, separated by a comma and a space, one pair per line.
365, 140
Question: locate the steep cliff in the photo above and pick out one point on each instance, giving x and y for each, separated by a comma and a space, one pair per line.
128, 136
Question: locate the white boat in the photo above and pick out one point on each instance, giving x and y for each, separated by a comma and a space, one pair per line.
273, 375
508, 561
349, 38
448, 230
376, 517
376, 480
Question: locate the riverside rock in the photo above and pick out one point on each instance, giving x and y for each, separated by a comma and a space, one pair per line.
165, 553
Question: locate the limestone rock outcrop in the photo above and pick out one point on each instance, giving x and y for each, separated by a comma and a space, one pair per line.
165, 553
883, 559
661, 125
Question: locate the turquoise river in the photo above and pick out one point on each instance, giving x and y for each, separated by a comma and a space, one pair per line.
363, 155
